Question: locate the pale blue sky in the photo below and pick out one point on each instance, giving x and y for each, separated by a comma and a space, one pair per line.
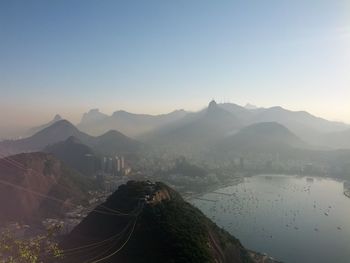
155, 56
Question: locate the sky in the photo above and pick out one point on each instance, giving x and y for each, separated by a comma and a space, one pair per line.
153, 57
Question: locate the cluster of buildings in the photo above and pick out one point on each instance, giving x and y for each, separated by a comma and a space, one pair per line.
113, 171
114, 166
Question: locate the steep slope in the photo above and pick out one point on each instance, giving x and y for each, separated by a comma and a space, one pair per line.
131, 124
34, 130
32, 184
157, 225
74, 153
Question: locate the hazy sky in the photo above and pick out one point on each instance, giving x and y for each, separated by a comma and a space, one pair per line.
155, 56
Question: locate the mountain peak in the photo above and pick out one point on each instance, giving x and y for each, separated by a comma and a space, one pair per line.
212, 105
57, 118
112, 133
62, 123
264, 136
121, 112
92, 116
249, 106
157, 211
94, 111
34, 130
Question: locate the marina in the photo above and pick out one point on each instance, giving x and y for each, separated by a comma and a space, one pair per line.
293, 218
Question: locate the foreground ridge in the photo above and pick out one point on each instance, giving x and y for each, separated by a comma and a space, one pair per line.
150, 222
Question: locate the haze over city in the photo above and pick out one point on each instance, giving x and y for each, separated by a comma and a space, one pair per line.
179, 131
154, 57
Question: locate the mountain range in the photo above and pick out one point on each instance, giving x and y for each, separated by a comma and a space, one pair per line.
95, 123
197, 131
112, 142
190, 132
263, 137
311, 129
34, 130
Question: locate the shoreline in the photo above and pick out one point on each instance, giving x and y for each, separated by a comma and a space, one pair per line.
234, 181
240, 179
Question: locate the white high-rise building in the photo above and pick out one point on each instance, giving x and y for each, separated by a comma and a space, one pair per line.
117, 159
122, 162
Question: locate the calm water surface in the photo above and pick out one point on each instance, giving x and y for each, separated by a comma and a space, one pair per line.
294, 219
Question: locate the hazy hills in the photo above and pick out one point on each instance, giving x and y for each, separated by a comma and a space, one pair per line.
111, 142
32, 185
114, 142
303, 124
34, 130
159, 226
96, 123
198, 131
180, 124
57, 132
263, 137
217, 122
180, 131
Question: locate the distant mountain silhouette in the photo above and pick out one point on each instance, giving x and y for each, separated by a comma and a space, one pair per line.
186, 129
114, 142
261, 143
302, 123
131, 124
249, 106
31, 183
200, 130
263, 137
92, 116
243, 114
157, 226
60, 131
34, 130
310, 128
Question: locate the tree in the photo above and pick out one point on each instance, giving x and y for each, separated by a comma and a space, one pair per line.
37, 249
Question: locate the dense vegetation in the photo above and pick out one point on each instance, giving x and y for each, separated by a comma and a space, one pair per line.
170, 230
36, 249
